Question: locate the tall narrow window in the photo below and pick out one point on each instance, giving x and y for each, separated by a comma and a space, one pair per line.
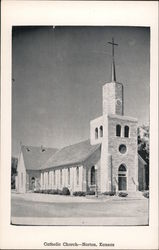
54, 177
61, 177
77, 175
101, 131
93, 181
118, 130
48, 178
126, 131
96, 133
68, 176
42, 179
21, 179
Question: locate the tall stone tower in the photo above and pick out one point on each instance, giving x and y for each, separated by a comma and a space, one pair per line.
117, 135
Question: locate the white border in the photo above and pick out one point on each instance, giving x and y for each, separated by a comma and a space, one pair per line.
76, 13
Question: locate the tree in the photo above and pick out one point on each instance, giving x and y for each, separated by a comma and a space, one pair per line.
143, 148
143, 142
14, 163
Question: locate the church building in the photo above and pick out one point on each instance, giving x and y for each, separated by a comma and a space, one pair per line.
108, 161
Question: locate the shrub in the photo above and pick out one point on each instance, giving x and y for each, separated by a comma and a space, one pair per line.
59, 191
111, 193
122, 194
54, 191
91, 192
49, 191
146, 194
65, 191
37, 191
45, 191
79, 193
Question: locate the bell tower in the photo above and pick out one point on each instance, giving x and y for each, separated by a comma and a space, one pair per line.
117, 135
113, 100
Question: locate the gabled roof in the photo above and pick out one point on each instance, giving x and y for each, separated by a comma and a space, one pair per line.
35, 157
72, 154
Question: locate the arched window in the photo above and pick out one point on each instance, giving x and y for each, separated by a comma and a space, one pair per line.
48, 178
54, 178
33, 183
61, 176
68, 176
21, 179
101, 131
96, 133
126, 131
77, 175
122, 178
93, 179
122, 168
42, 179
118, 130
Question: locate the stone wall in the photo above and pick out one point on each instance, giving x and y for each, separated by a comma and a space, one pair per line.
96, 124
112, 92
93, 160
129, 158
119, 95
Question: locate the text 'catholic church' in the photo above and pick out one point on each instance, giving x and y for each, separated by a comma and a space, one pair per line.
109, 161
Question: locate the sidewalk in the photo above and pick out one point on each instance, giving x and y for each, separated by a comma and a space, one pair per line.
44, 209
49, 198
75, 221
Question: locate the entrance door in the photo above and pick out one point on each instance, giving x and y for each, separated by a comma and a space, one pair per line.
122, 178
32, 183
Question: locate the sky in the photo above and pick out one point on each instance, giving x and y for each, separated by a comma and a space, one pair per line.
58, 73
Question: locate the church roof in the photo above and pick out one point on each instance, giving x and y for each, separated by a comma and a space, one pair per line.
35, 157
141, 159
72, 154
40, 158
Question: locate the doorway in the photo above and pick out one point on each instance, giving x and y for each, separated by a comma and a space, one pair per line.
33, 183
122, 178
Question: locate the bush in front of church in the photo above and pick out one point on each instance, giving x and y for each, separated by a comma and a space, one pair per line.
65, 191
146, 194
111, 193
91, 192
79, 193
122, 194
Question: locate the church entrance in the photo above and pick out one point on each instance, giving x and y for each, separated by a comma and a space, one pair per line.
32, 183
122, 178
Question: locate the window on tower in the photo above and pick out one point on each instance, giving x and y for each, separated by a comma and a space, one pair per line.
126, 131
101, 131
96, 133
118, 130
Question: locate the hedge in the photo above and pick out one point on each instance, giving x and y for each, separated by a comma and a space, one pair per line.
122, 194
111, 193
79, 193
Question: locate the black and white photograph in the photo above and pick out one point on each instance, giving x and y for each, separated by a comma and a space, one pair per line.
80, 125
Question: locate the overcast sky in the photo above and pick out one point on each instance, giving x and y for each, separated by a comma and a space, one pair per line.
58, 77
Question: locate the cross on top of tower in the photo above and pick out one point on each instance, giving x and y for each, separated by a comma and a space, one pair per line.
113, 73
112, 43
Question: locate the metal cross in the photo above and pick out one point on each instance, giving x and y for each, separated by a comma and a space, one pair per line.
112, 43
